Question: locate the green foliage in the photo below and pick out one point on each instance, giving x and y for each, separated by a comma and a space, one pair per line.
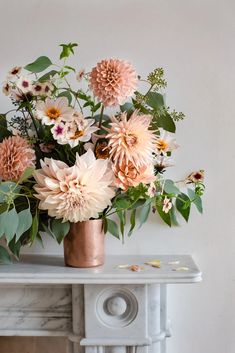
9, 223
144, 212
66, 94
48, 75
156, 78
196, 200
4, 132
155, 101
59, 229
166, 122
166, 217
112, 228
4, 256
39, 65
27, 174
34, 228
170, 188
67, 50
24, 222
183, 205
132, 222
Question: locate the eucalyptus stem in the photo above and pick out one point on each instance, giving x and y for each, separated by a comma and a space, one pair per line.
101, 116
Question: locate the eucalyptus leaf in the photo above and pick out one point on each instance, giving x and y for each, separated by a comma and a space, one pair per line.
59, 229
4, 256
27, 174
15, 246
132, 222
144, 212
112, 228
39, 65
34, 228
11, 221
127, 107
170, 188
25, 222
196, 199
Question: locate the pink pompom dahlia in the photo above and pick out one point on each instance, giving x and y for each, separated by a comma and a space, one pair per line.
15, 156
131, 140
113, 81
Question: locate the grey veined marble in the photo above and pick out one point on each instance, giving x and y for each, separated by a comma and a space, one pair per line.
107, 309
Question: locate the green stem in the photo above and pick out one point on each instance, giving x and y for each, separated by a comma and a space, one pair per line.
101, 116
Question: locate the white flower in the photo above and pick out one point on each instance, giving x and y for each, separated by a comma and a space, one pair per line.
6, 88
72, 132
80, 75
165, 142
75, 193
163, 162
16, 70
38, 89
24, 85
47, 88
151, 190
167, 205
53, 111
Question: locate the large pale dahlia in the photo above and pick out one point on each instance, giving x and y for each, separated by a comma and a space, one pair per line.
53, 111
15, 156
113, 81
131, 140
128, 175
75, 193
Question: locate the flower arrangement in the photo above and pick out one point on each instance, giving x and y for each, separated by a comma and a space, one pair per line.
70, 154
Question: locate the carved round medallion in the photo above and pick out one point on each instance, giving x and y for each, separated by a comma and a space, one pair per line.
116, 308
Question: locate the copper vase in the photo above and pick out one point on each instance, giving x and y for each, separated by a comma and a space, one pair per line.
84, 244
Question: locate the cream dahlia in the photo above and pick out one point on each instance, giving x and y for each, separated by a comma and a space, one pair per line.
15, 156
75, 193
131, 140
113, 81
53, 111
128, 175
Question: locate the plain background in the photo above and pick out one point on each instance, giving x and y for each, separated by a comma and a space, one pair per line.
194, 41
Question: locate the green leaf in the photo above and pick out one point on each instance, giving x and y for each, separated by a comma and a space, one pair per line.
121, 203
47, 230
39, 65
172, 213
4, 132
34, 228
48, 75
112, 228
155, 100
3, 207
132, 222
67, 50
70, 68
144, 212
170, 188
183, 205
59, 229
196, 199
166, 217
7, 187
166, 122
11, 221
15, 246
27, 174
25, 222
66, 94
122, 218
4, 256
127, 107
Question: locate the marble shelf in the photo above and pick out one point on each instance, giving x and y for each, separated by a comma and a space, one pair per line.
106, 309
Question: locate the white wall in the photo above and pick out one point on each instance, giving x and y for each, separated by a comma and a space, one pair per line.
194, 41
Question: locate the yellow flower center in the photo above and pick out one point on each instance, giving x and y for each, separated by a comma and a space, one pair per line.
53, 113
162, 145
77, 134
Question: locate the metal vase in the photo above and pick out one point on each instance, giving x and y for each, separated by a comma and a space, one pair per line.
84, 244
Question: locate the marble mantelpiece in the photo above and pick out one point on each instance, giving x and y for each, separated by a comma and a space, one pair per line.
105, 309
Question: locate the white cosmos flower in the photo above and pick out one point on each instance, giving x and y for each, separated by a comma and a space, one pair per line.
165, 142
53, 111
75, 193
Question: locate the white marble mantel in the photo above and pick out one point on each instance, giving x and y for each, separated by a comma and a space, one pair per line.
105, 309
